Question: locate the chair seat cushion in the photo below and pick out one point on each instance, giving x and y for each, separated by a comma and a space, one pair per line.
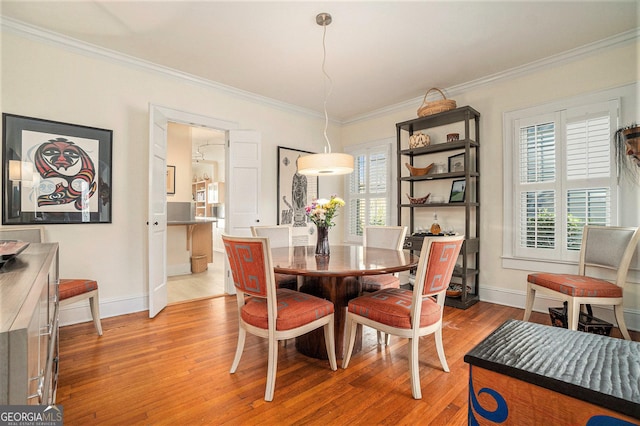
392, 306
576, 285
371, 283
294, 310
286, 281
70, 287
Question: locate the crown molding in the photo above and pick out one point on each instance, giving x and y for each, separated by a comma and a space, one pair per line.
74, 45
68, 43
542, 64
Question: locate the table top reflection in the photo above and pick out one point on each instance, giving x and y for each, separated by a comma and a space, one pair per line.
344, 260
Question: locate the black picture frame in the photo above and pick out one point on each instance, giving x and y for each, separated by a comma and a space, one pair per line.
54, 172
456, 163
171, 180
458, 190
295, 191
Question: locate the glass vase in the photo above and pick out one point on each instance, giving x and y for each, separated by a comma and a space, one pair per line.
322, 245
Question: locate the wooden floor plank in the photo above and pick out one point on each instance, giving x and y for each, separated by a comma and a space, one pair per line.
174, 369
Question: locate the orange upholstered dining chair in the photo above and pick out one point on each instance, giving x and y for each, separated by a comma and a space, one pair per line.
279, 236
603, 248
268, 312
410, 314
389, 237
71, 290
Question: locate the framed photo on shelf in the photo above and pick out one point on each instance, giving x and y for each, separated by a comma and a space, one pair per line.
171, 179
55, 173
458, 188
295, 192
456, 163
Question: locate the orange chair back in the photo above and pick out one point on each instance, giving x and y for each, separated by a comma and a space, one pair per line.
247, 262
442, 260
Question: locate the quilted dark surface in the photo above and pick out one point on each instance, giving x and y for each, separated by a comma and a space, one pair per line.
598, 369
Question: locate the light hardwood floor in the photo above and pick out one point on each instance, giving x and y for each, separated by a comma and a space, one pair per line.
210, 283
174, 370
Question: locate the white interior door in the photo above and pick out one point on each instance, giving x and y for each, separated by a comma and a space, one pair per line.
242, 192
157, 217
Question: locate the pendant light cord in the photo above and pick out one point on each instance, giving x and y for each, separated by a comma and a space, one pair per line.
326, 92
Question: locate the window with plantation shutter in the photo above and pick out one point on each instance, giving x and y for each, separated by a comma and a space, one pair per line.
369, 189
562, 175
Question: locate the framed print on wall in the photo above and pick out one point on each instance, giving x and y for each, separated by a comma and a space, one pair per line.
171, 179
295, 191
55, 173
458, 188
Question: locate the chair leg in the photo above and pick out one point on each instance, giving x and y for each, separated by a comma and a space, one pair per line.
531, 295
619, 312
351, 340
242, 334
272, 366
380, 337
330, 342
387, 339
94, 305
414, 368
440, 349
573, 313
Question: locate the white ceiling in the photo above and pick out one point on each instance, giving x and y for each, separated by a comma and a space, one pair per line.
378, 53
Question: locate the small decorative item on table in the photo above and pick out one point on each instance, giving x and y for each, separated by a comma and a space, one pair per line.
321, 212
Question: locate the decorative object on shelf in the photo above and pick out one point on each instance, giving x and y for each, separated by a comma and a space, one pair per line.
435, 226
440, 168
321, 212
456, 163
171, 179
455, 290
327, 163
452, 137
56, 173
434, 107
418, 140
420, 200
457, 191
419, 171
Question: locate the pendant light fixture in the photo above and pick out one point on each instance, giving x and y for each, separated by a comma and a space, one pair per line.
328, 163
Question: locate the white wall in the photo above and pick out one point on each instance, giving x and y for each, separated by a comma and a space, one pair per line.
47, 81
599, 71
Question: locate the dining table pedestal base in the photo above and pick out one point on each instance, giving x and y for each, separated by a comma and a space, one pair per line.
338, 290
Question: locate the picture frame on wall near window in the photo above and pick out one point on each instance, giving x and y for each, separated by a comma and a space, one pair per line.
458, 189
55, 173
295, 191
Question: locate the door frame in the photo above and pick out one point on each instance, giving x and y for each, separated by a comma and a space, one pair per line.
182, 117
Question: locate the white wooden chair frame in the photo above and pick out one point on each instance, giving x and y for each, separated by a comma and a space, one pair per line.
596, 254
415, 332
271, 333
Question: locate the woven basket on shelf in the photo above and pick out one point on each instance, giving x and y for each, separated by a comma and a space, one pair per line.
435, 107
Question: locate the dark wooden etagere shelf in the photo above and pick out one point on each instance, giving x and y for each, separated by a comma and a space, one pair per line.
469, 143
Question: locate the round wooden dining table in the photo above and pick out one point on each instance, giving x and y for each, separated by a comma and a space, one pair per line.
335, 278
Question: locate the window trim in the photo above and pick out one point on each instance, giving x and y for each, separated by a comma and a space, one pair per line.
363, 148
510, 259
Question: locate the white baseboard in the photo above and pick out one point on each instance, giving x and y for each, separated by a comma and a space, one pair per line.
178, 269
542, 303
80, 312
